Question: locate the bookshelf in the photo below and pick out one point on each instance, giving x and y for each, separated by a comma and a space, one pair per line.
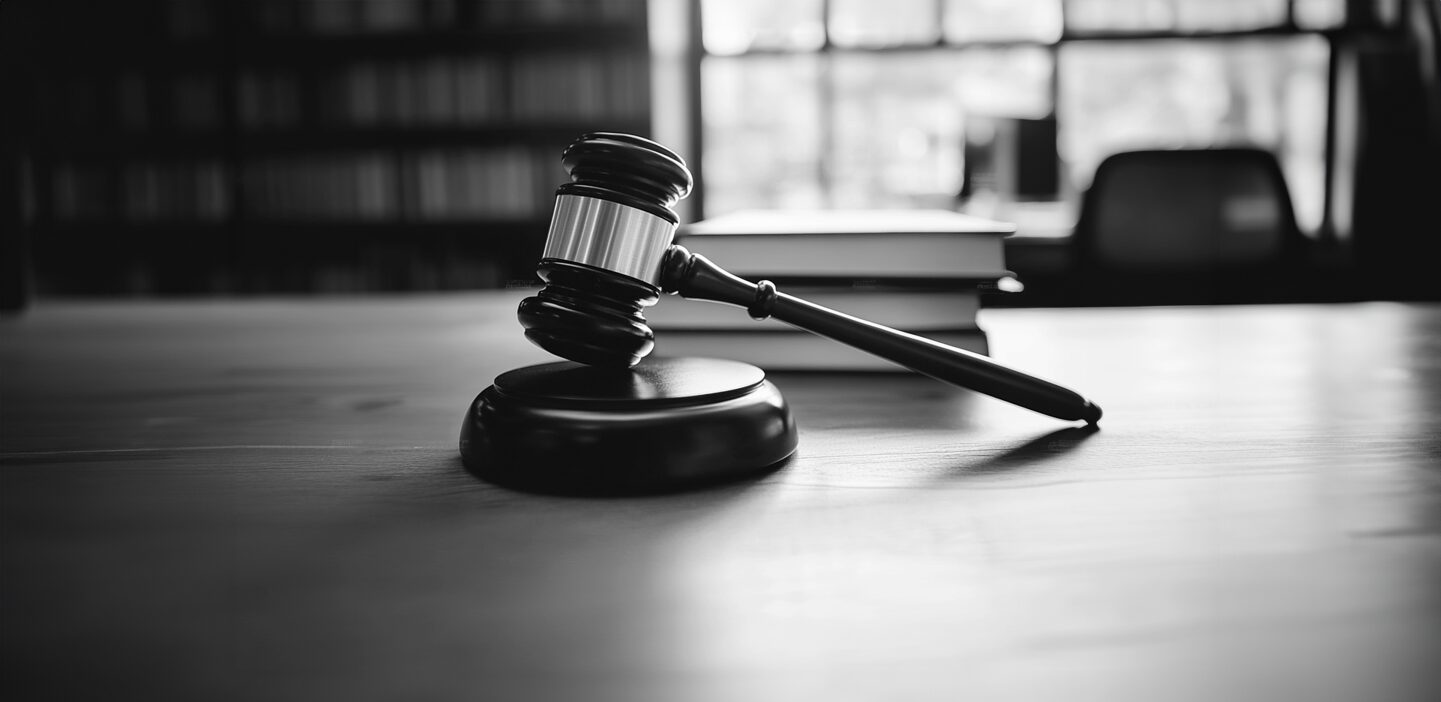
237, 146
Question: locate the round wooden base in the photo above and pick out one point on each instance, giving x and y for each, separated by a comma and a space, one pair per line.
666, 424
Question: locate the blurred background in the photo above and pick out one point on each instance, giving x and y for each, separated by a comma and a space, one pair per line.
234, 147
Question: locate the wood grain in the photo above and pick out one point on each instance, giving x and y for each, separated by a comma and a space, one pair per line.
263, 500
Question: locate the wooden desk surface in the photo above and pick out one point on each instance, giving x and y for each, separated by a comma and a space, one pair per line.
263, 500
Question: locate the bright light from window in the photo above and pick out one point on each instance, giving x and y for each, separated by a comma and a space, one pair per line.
733, 27
1003, 20
1320, 14
954, 115
1183, 15
889, 23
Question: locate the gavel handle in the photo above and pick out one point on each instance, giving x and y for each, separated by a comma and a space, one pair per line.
695, 277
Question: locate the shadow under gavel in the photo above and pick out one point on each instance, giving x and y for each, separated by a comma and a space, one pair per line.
608, 256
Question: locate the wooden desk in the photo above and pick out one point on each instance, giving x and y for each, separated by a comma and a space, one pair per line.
263, 500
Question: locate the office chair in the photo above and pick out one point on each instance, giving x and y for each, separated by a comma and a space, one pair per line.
1189, 225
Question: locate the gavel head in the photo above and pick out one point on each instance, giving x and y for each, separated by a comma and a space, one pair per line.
609, 234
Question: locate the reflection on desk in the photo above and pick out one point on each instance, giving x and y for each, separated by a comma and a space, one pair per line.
263, 500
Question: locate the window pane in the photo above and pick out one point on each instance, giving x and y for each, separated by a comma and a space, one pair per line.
870, 23
1118, 15
899, 126
982, 20
1165, 94
1223, 15
762, 122
889, 131
1320, 14
736, 26
1004, 81
1183, 15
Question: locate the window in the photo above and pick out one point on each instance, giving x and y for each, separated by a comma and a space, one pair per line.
1000, 107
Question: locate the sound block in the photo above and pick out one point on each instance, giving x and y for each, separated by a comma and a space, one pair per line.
664, 425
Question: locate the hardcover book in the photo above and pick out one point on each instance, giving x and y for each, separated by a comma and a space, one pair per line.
855, 244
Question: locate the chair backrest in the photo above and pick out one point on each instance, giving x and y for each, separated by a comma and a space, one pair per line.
1187, 210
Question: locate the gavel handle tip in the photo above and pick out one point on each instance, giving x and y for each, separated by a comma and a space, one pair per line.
1091, 413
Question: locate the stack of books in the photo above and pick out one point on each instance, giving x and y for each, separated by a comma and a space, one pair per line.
919, 271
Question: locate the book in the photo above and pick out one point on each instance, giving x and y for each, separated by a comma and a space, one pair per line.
791, 349
852, 244
899, 308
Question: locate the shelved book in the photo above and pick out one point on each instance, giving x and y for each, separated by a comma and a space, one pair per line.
400, 142
922, 272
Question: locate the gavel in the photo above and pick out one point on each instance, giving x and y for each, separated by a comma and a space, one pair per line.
608, 255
